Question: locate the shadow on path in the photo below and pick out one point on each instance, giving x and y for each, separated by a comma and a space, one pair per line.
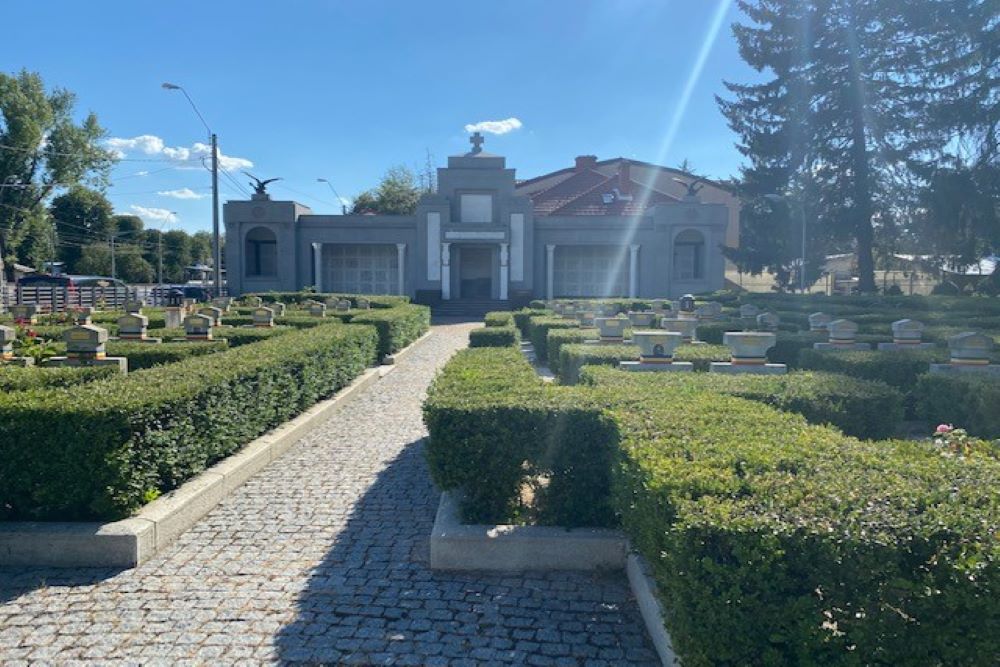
374, 599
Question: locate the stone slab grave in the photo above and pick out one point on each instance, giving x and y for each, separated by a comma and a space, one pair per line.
362, 303
253, 301
198, 327
768, 321
611, 330
342, 305
134, 306
906, 335
656, 353
687, 328
174, 316
25, 313
133, 326
969, 354
83, 315
748, 315
709, 311
223, 302
642, 319
279, 308
213, 312
749, 354
263, 317
317, 309
7, 337
819, 321
686, 308
843, 334
86, 346
586, 317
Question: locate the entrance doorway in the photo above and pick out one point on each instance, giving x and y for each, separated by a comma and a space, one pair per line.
475, 277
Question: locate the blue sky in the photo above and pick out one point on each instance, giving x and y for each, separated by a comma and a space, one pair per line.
344, 90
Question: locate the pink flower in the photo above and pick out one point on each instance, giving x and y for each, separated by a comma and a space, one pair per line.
944, 428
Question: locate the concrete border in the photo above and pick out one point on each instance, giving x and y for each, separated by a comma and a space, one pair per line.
133, 541
458, 546
644, 590
391, 359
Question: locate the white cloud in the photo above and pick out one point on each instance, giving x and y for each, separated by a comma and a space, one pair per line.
182, 193
495, 126
148, 144
154, 214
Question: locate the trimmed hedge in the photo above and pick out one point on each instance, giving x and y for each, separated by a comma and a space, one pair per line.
499, 318
898, 369
574, 357
556, 338
18, 378
772, 541
495, 337
147, 355
111, 445
397, 327
971, 402
522, 317
860, 408
294, 298
538, 331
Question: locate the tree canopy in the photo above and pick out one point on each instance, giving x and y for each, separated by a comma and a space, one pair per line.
396, 194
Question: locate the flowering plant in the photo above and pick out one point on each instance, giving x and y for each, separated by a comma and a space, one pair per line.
29, 344
958, 443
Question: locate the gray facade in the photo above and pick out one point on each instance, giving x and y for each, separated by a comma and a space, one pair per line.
478, 237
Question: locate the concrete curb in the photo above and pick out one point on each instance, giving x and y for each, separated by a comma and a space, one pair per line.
133, 541
391, 359
644, 589
458, 546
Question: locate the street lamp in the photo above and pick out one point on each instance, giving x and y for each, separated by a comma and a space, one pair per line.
781, 199
216, 240
343, 206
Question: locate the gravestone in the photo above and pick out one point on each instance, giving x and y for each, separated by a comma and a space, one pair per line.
607, 310
331, 302
819, 321
686, 307
768, 321
263, 317
83, 315
709, 311
253, 301
362, 303
198, 327
642, 319
749, 311
7, 337
278, 308
610, 329
343, 305
842, 336
660, 306
133, 326
656, 353
586, 317
223, 302
688, 329
748, 351
25, 313
906, 335
86, 346
213, 312
134, 306
317, 309
970, 352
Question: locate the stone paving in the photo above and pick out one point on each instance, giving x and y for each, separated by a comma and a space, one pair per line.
322, 558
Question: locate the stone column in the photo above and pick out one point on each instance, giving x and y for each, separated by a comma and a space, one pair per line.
504, 270
446, 271
550, 274
401, 264
317, 249
633, 271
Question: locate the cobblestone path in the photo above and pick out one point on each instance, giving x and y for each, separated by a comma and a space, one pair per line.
322, 558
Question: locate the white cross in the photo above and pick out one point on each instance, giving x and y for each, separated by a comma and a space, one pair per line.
477, 142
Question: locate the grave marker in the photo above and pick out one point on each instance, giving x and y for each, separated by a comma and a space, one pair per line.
748, 354
843, 334
906, 335
263, 317
7, 337
198, 327
656, 353
86, 346
688, 329
970, 352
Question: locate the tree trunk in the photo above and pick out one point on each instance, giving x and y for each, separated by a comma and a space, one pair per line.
864, 233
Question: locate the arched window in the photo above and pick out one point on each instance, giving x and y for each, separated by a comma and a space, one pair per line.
261, 252
689, 255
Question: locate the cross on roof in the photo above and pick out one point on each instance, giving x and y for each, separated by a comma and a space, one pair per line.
477, 140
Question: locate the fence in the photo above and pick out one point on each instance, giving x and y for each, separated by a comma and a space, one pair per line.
60, 298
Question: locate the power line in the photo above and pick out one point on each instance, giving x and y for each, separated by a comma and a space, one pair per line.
82, 154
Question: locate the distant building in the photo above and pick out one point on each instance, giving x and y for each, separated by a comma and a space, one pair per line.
600, 228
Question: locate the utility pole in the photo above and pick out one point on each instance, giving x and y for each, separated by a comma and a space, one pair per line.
159, 269
114, 273
216, 241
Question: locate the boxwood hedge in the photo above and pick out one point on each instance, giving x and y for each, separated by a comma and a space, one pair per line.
538, 331
971, 402
147, 355
16, 378
499, 318
397, 327
100, 450
772, 541
575, 356
495, 336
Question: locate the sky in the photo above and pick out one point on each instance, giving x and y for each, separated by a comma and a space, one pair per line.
307, 89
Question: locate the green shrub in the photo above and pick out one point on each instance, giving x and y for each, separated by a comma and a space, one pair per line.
147, 355
295, 298
556, 338
499, 318
971, 402
521, 318
946, 288
573, 357
96, 451
495, 337
538, 331
237, 336
702, 356
898, 369
861, 408
397, 327
17, 378
536, 304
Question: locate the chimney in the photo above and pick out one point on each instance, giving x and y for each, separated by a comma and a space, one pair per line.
585, 162
624, 178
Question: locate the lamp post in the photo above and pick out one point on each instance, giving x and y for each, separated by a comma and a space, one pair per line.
343, 206
216, 240
774, 199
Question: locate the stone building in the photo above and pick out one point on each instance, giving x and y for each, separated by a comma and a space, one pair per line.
600, 228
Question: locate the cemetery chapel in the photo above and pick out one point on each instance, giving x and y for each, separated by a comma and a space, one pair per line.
609, 228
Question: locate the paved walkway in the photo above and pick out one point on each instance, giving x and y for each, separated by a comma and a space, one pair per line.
322, 558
